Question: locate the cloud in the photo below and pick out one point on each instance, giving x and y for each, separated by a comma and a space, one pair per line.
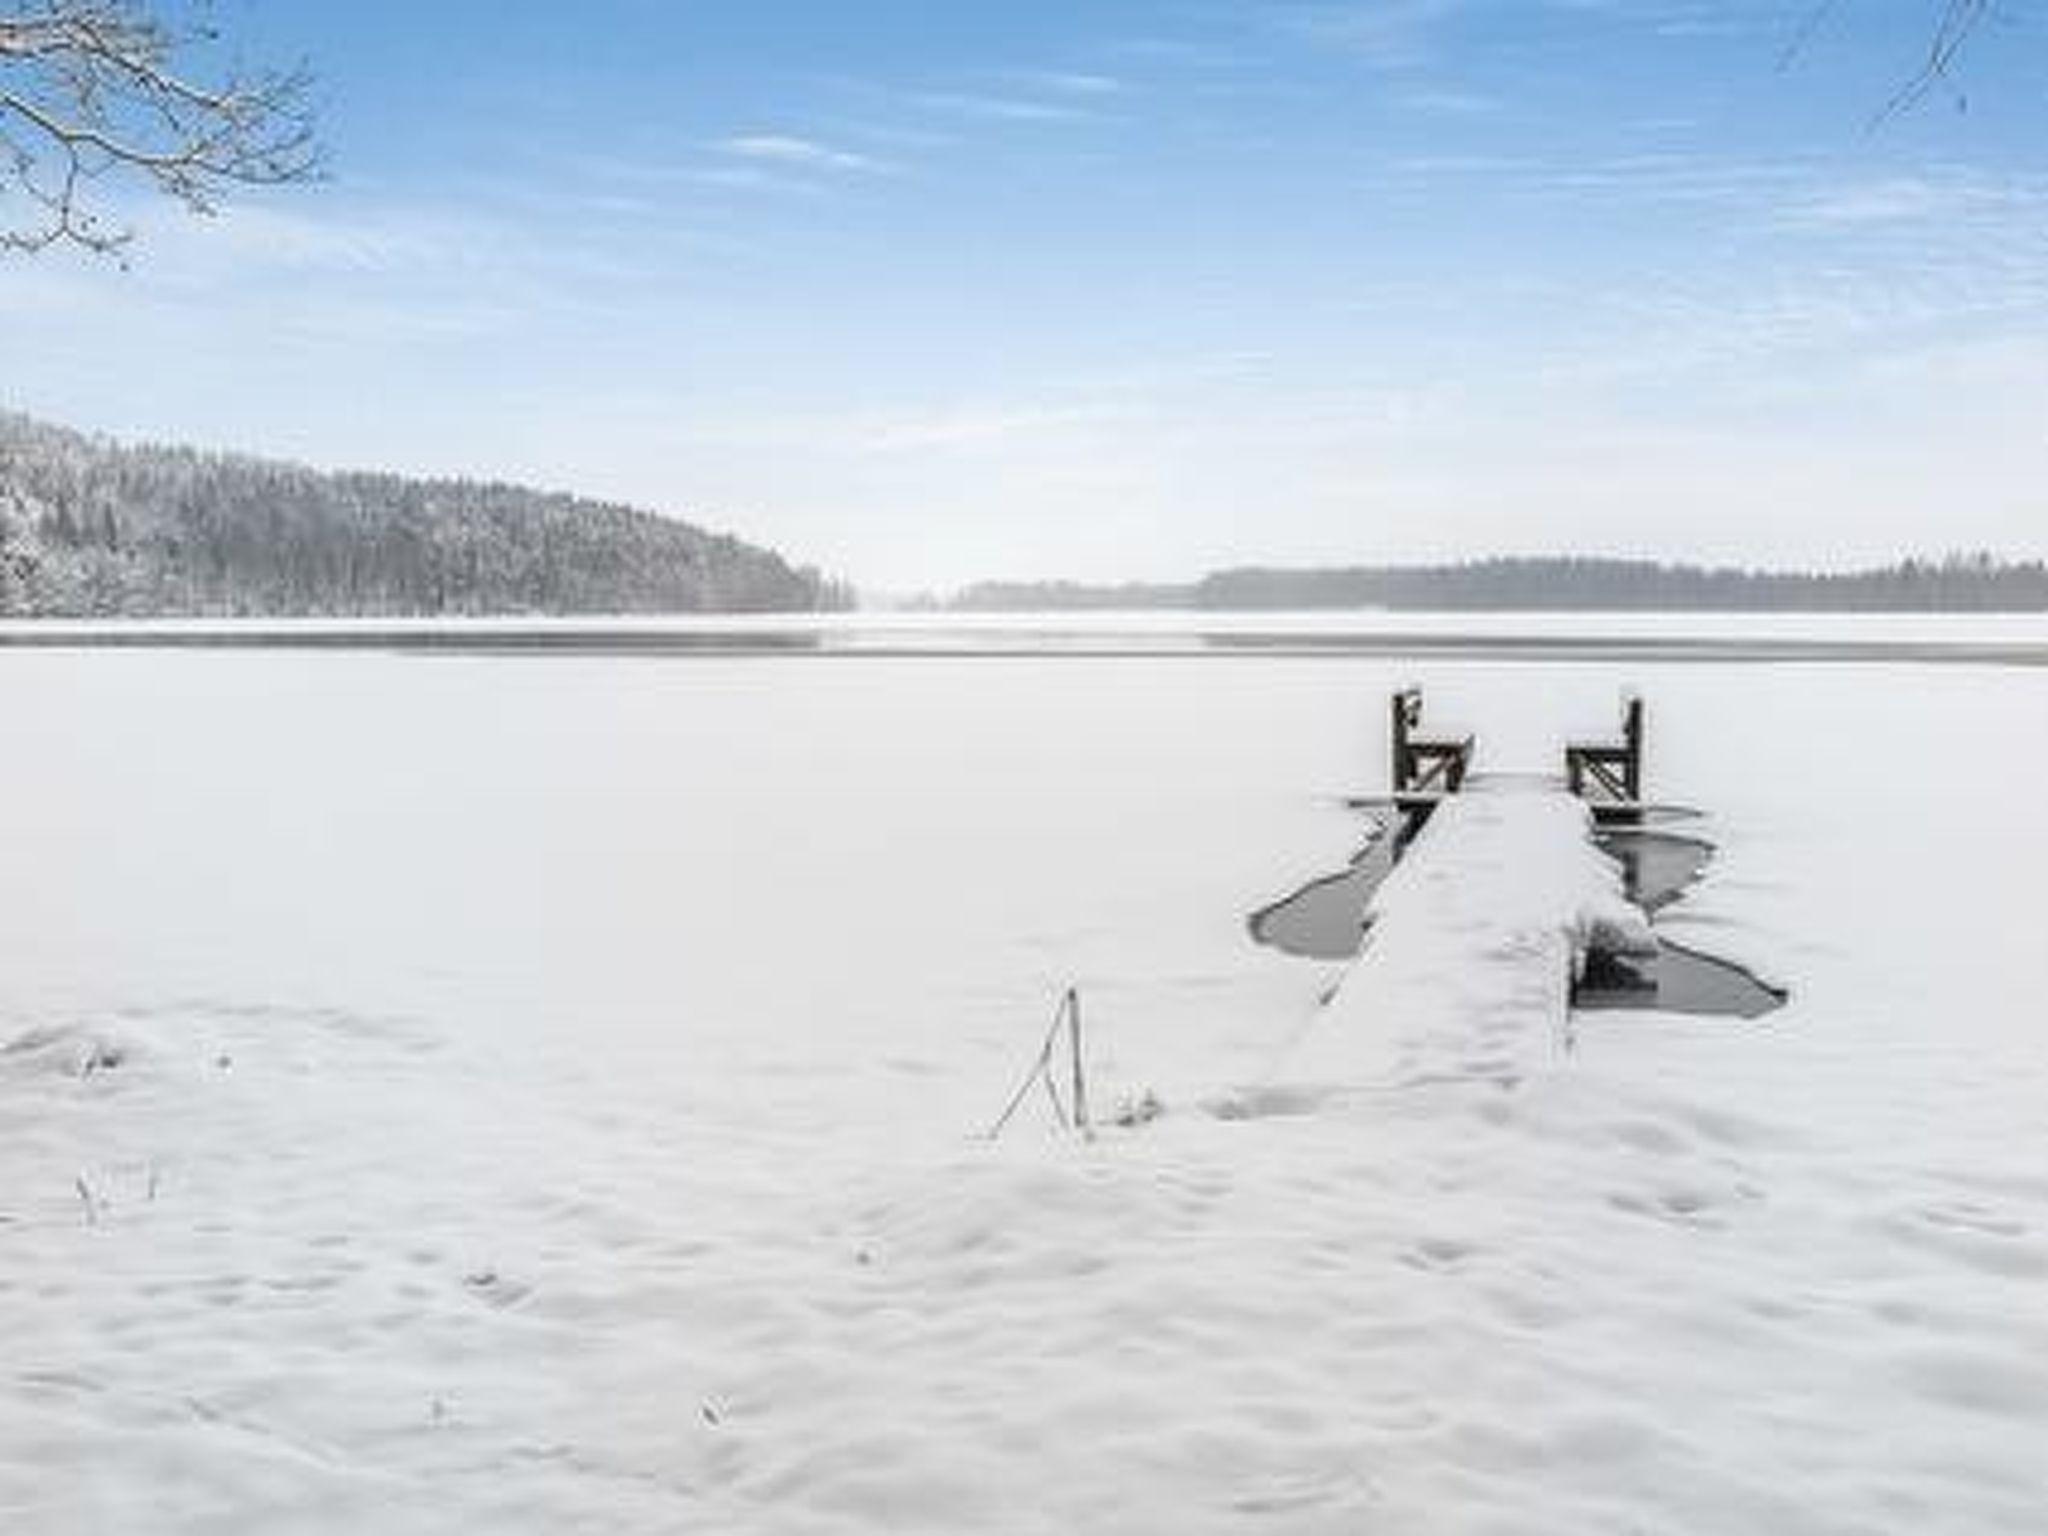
1184, 53
789, 150
1917, 199
1001, 108
1643, 180
966, 427
1450, 103
753, 178
1399, 35
334, 240
1388, 34
1071, 83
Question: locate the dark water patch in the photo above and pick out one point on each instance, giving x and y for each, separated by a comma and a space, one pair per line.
1643, 818
1656, 867
1325, 919
1674, 980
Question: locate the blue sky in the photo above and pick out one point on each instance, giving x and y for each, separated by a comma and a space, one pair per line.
926, 292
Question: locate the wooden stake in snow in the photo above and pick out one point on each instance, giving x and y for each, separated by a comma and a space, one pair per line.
1066, 1018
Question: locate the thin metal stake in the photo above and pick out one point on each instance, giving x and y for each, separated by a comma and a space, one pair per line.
1066, 1017
1080, 1079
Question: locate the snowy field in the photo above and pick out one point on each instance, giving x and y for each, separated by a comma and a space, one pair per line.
469, 1093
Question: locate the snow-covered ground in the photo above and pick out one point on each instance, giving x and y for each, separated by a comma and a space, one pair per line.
456, 1093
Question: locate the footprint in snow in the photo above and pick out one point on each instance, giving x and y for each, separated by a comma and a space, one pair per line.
1440, 1254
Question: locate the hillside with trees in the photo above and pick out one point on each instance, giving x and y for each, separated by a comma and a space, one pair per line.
89, 527
1957, 583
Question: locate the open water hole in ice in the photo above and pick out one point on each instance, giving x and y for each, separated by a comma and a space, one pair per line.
1674, 980
1326, 920
1656, 867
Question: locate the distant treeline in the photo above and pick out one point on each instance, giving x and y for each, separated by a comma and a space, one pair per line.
90, 528
1958, 583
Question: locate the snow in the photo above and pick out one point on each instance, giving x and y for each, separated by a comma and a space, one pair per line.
548, 1089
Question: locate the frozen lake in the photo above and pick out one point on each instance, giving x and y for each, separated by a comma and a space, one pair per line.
547, 1075
1996, 639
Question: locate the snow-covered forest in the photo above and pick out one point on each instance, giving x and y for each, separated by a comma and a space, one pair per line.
1957, 583
90, 527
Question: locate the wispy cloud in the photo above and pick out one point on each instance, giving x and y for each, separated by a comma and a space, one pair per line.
1446, 102
347, 241
966, 427
1388, 34
915, 428
1918, 199
1070, 82
1640, 180
755, 178
1186, 54
791, 150
1005, 107
1397, 35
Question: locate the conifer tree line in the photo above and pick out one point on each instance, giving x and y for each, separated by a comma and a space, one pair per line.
1953, 583
91, 528
1956, 581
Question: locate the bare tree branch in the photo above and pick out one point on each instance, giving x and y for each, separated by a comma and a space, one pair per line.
91, 90
1816, 16
1958, 20
1953, 24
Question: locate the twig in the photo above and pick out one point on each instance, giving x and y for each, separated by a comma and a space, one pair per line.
1803, 34
1959, 20
1067, 1017
1052, 1092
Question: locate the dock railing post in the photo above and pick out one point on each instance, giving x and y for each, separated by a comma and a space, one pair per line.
1401, 769
1632, 733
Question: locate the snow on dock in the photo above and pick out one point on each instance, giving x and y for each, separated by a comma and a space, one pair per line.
1473, 944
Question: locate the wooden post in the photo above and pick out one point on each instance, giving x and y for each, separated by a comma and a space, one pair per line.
1422, 768
1632, 733
1403, 767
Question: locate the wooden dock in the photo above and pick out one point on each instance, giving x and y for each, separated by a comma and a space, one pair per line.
1424, 769
1474, 942
1499, 899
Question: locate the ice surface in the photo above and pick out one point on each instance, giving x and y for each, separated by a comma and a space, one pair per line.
540, 1094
